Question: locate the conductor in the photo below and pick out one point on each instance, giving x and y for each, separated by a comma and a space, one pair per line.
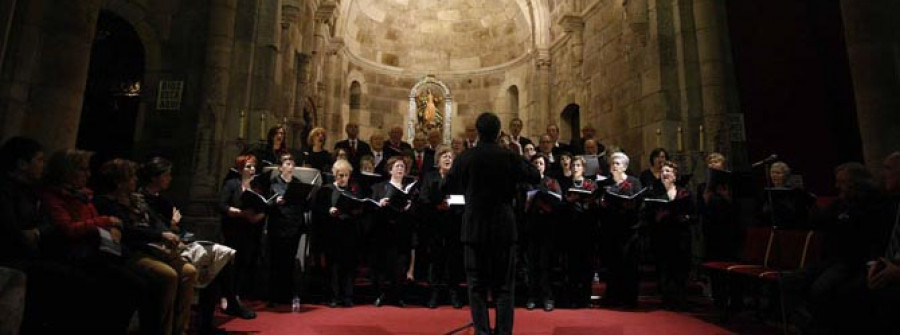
487, 175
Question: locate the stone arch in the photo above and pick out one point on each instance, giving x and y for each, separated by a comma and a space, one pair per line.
571, 119
448, 108
136, 15
512, 97
541, 23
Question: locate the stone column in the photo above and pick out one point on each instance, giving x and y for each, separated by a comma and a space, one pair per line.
716, 77
23, 48
211, 130
873, 49
544, 116
57, 91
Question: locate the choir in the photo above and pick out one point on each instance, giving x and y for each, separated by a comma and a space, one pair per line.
382, 211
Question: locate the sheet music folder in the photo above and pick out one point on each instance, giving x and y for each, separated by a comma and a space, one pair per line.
305, 175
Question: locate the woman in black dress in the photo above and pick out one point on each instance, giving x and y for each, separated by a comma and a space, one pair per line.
439, 232
393, 233
668, 216
618, 235
581, 234
317, 156
541, 236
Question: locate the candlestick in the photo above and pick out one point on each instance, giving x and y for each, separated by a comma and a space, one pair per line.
680, 140
242, 128
658, 134
702, 142
262, 126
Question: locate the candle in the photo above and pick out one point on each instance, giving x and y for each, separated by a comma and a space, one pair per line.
680, 140
242, 128
702, 142
658, 134
262, 126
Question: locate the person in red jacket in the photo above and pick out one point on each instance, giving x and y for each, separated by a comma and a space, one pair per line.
92, 243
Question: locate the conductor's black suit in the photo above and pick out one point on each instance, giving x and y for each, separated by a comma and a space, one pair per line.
487, 175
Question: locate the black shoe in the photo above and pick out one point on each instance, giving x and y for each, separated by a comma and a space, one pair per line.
530, 305
401, 303
348, 302
432, 303
240, 311
548, 305
334, 303
379, 301
213, 331
454, 300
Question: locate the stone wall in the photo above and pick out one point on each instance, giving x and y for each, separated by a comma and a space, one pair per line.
633, 68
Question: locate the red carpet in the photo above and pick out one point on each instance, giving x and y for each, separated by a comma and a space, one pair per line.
369, 320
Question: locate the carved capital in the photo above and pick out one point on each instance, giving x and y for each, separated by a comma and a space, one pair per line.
542, 59
326, 10
336, 45
571, 23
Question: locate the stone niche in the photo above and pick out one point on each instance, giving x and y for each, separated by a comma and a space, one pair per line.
385, 98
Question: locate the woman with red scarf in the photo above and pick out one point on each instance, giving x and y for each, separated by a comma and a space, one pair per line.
618, 235
668, 216
582, 230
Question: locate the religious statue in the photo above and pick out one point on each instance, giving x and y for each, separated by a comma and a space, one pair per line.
428, 115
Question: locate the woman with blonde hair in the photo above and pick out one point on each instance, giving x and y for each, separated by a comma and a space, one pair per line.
317, 156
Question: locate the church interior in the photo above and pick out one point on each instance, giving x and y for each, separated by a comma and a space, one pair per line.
813, 84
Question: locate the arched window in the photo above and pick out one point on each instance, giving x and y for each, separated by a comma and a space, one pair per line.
512, 96
571, 118
355, 101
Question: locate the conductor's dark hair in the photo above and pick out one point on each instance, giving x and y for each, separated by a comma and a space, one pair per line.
18, 149
155, 167
656, 152
488, 126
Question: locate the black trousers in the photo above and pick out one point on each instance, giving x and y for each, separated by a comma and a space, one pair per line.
491, 268
341, 257
283, 278
618, 250
247, 242
542, 257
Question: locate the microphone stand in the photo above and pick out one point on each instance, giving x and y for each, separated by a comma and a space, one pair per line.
768, 191
459, 329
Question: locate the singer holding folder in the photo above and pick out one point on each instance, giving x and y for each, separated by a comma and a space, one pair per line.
242, 228
340, 231
487, 174
439, 232
541, 236
618, 235
393, 234
581, 234
668, 216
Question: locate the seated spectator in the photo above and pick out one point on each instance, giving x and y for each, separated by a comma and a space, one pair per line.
855, 229
883, 275
21, 225
107, 290
152, 249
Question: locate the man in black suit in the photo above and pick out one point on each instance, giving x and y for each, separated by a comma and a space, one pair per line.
558, 148
395, 145
546, 148
515, 131
471, 136
587, 133
487, 175
355, 147
422, 157
379, 157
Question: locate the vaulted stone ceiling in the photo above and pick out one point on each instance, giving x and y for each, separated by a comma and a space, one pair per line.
438, 35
